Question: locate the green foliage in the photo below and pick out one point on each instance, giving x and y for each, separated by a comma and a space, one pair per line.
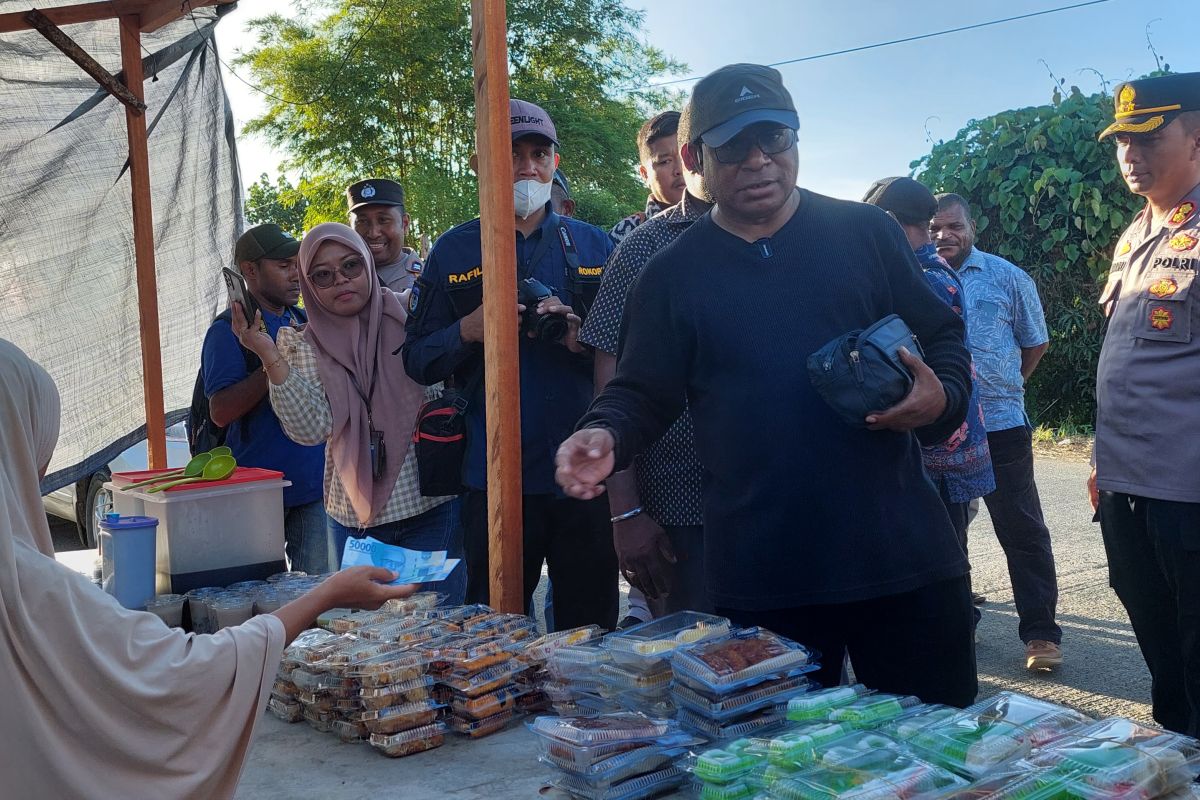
279, 202
385, 88
1050, 198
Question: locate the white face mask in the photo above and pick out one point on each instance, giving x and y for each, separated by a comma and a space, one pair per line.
530, 195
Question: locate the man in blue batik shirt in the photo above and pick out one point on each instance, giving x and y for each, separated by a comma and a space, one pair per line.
1007, 332
445, 339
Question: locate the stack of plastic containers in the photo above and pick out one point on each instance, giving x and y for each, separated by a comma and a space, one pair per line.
739, 684
284, 702
574, 687
536, 657
881, 773
639, 676
621, 756
816, 706
991, 733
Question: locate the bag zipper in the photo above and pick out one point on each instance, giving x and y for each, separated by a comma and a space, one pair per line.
856, 364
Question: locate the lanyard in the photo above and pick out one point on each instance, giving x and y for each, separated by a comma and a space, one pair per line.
366, 397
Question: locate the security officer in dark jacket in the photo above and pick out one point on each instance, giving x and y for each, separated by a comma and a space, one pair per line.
559, 262
1148, 391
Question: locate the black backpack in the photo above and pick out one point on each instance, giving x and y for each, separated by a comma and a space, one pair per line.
202, 433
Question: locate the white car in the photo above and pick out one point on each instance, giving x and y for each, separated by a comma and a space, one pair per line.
83, 502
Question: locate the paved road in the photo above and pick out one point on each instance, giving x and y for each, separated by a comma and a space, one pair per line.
1103, 675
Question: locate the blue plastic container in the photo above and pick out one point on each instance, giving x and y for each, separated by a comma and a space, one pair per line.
128, 548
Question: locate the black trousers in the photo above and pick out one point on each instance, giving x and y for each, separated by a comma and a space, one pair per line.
1153, 549
1016, 513
574, 537
919, 642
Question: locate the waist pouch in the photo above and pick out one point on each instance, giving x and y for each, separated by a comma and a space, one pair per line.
860, 372
440, 442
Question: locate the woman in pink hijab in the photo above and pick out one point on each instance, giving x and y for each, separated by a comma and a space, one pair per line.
341, 382
101, 701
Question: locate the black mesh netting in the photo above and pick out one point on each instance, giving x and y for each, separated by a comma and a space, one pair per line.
68, 295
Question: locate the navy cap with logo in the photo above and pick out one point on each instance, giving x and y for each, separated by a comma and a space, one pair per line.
372, 192
1147, 104
265, 241
731, 99
910, 200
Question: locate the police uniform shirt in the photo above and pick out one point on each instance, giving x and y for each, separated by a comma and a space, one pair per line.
556, 384
1148, 377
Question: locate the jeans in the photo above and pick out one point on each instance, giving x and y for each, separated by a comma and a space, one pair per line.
305, 542
918, 642
573, 537
1153, 549
1017, 517
439, 528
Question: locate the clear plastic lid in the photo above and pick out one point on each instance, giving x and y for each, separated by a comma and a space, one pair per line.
607, 728
756, 723
356, 619
578, 660
658, 639
489, 704
1022, 709
815, 706
801, 747
740, 659
878, 775
874, 709
394, 719
656, 706
722, 766
540, 650
388, 628
351, 731
384, 669
621, 766
905, 727
488, 680
463, 653
476, 728
328, 618
737, 790
286, 710
586, 756
456, 615
421, 601
651, 784
518, 626
769, 693
656, 681
412, 741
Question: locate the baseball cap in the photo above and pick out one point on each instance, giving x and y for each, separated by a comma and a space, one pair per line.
562, 181
1148, 104
265, 241
374, 191
910, 200
725, 102
528, 119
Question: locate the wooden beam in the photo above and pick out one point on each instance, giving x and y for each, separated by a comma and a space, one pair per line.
493, 142
91, 66
143, 246
153, 14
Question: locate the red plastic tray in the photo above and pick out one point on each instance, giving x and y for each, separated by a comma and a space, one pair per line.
240, 475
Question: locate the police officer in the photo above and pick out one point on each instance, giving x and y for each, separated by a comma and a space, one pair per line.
377, 214
1147, 470
559, 263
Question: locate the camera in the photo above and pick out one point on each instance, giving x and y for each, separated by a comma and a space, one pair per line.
545, 327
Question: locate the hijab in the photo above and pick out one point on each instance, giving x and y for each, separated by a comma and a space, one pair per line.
98, 700
358, 353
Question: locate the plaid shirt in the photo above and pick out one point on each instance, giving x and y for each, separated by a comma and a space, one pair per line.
303, 411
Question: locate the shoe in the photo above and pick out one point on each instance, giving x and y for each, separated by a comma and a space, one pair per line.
978, 599
1040, 654
629, 622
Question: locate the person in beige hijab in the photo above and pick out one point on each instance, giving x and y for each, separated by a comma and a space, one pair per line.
97, 701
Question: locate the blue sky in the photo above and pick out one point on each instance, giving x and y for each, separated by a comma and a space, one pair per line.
866, 115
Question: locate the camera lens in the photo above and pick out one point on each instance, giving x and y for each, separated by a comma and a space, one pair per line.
552, 328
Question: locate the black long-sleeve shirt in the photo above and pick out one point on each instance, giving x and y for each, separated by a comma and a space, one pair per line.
799, 507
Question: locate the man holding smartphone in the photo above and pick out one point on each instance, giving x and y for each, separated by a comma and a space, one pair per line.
236, 387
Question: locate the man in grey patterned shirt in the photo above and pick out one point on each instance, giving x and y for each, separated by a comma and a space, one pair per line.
656, 506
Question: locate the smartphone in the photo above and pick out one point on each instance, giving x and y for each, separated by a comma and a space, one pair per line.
235, 284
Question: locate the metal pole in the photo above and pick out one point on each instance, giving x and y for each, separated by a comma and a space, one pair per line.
493, 142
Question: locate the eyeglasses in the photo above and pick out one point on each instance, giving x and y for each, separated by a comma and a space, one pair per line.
322, 278
769, 140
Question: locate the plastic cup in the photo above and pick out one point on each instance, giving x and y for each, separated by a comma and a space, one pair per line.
268, 601
232, 609
246, 586
286, 576
168, 608
198, 606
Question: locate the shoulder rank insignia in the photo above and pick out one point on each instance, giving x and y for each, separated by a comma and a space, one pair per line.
1161, 318
1164, 288
1125, 247
1181, 213
1181, 242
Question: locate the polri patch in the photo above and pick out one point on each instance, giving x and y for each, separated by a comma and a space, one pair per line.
1181, 213
1161, 318
1164, 288
1182, 242
414, 298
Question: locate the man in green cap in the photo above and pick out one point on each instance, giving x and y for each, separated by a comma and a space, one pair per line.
1144, 482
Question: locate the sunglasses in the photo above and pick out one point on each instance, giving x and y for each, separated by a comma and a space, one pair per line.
769, 140
323, 278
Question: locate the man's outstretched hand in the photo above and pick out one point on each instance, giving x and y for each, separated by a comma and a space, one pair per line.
584, 461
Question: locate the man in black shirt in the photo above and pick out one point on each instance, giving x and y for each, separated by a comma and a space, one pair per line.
830, 534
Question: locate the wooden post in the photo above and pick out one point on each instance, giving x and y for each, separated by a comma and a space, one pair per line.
143, 244
493, 143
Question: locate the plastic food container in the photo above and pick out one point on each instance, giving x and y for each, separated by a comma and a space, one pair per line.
540, 650
738, 790
723, 766
351, 731
319, 720
486, 705
478, 683
657, 706
757, 722
739, 660
650, 785
394, 719
654, 682
385, 669
874, 709
765, 694
620, 727
231, 610
396, 694
621, 766
643, 645
585, 757
478, 728
816, 706
168, 608
466, 654
455, 615
872, 776
286, 710
907, 726
329, 619
578, 660
407, 743
421, 601
800, 748
517, 626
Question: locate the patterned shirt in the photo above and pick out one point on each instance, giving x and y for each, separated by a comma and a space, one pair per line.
961, 466
303, 410
1004, 315
668, 472
627, 225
